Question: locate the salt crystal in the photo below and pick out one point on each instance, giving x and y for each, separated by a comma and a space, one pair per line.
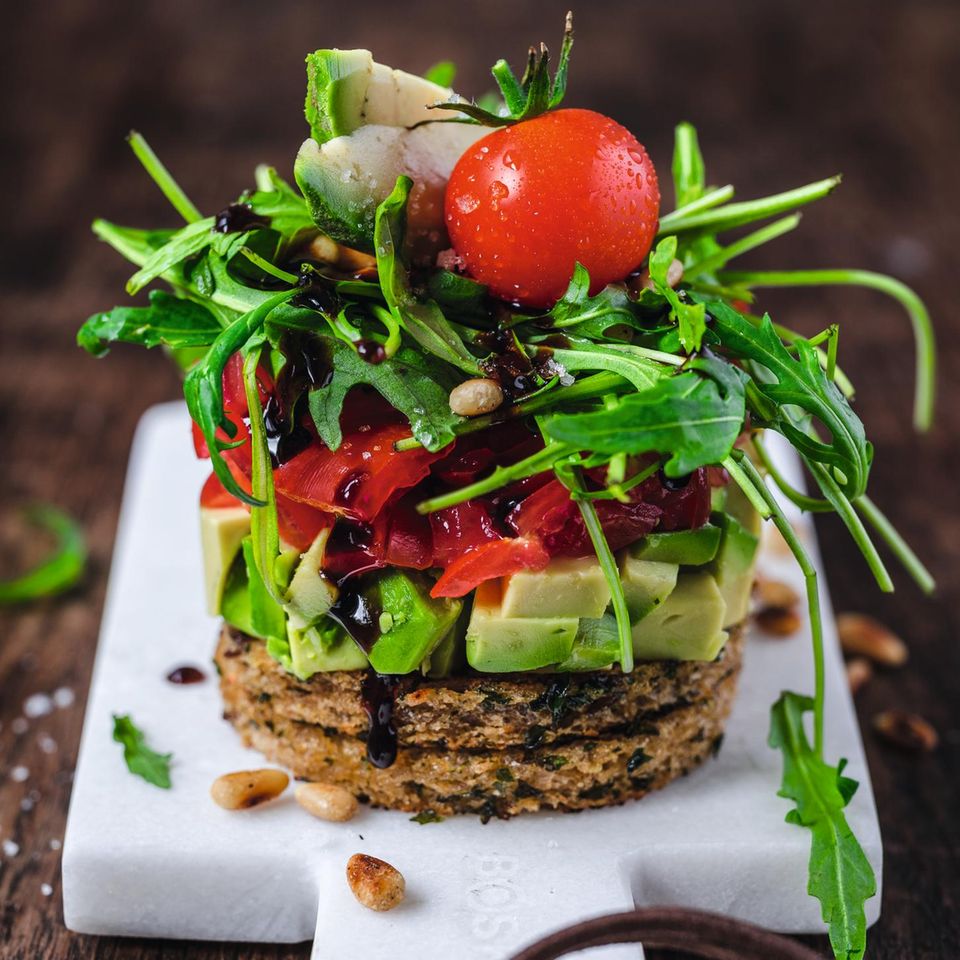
37, 705
46, 743
19, 726
10, 848
19, 774
46, 889
56, 844
63, 697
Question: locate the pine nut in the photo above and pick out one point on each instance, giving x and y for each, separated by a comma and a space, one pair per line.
774, 593
474, 397
777, 622
907, 730
864, 636
326, 801
859, 672
248, 788
323, 248
375, 883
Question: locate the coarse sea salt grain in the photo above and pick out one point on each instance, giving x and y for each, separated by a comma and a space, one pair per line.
37, 705
10, 848
46, 889
19, 774
63, 697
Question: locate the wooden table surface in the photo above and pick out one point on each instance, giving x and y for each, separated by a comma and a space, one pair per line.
782, 93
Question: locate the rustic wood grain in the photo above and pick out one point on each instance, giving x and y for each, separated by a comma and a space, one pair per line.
782, 93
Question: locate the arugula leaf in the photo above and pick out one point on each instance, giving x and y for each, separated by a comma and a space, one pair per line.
841, 877
61, 570
140, 759
186, 242
132, 243
442, 73
203, 389
409, 381
283, 206
799, 382
695, 419
690, 317
615, 358
168, 320
424, 322
689, 172
592, 316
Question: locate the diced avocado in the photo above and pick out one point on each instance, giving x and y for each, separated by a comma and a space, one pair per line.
310, 594
221, 531
347, 89
646, 584
344, 179
499, 644
742, 510
267, 618
687, 626
733, 566
689, 548
411, 624
322, 648
449, 657
567, 587
596, 645
235, 603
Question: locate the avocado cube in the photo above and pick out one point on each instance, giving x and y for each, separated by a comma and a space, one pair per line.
687, 626
595, 647
733, 567
235, 603
310, 594
646, 584
737, 505
568, 587
411, 624
499, 644
222, 530
322, 648
689, 548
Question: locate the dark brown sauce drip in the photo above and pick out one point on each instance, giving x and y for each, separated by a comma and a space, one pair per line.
350, 487
371, 351
378, 695
350, 550
315, 296
238, 217
509, 365
357, 610
674, 483
186, 674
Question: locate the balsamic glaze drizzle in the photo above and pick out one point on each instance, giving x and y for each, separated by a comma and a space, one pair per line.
378, 696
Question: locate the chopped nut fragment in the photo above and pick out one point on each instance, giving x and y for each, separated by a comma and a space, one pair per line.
248, 788
375, 883
326, 801
859, 672
777, 621
864, 636
474, 397
775, 593
907, 730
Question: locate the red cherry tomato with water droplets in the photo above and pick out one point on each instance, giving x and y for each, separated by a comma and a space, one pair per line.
527, 202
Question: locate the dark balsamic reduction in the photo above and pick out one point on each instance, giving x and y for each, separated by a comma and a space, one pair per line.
371, 351
238, 217
186, 674
674, 483
378, 695
350, 487
314, 296
509, 365
357, 611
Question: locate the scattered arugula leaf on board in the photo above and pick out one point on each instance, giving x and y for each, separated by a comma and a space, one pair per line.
140, 759
841, 877
58, 572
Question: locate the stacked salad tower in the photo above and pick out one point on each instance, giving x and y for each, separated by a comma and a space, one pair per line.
486, 431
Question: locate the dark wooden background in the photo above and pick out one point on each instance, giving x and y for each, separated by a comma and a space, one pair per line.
782, 92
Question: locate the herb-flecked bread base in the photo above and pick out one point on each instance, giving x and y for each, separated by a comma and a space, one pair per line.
492, 745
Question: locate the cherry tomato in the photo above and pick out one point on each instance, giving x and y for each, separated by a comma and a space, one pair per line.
527, 202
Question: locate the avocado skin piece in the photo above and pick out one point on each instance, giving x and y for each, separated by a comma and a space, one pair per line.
449, 655
691, 548
687, 626
499, 644
646, 584
733, 566
566, 587
416, 624
322, 648
337, 83
222, 530
596, 645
